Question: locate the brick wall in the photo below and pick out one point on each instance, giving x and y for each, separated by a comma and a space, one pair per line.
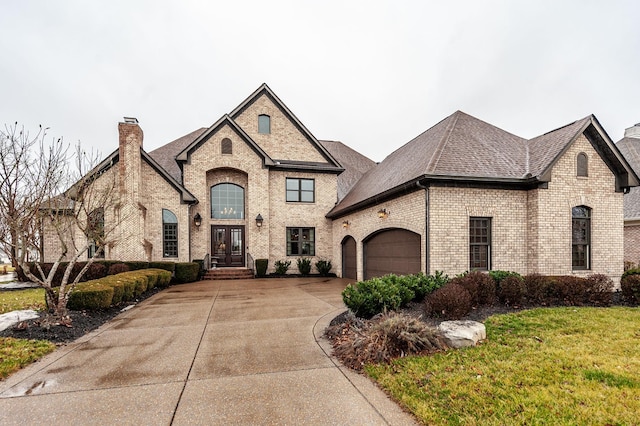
450, 210
406, 212
631, 246
552, 214
285, 142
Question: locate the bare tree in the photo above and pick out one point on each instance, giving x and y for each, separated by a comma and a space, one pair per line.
33, 208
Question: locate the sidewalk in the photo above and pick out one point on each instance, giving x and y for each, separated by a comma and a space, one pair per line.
216, 352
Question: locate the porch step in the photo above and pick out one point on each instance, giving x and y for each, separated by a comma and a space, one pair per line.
228, 274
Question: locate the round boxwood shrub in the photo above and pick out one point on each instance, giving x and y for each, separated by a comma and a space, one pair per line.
512, 290
261, 267
452, 301
630, 286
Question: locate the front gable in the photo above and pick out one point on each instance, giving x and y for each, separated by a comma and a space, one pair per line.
287, 139
224, 122
605, 149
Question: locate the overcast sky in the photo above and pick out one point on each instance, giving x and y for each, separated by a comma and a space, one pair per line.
372, 74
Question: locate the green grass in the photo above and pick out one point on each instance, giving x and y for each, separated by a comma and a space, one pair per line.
542, 366
17, 353
16, 300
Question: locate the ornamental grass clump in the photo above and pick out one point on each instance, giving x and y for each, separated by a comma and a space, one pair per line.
386, 337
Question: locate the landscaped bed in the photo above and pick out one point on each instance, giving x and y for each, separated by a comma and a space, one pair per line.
574, 361
560, 365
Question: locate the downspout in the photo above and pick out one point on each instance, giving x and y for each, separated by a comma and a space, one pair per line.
189, 230
426, 225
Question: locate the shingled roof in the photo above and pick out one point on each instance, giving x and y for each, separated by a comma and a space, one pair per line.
165, 156
630, 148
355, 165
462, 148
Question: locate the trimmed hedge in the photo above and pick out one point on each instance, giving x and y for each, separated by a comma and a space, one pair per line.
167, 266
387, 293
91, 295
114, 289
187, 272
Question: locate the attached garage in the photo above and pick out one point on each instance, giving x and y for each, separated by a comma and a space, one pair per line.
349, 262
392, 251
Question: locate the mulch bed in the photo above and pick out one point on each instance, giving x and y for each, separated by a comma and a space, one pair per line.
82, 322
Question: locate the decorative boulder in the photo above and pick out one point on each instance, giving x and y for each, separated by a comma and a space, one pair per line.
462, 334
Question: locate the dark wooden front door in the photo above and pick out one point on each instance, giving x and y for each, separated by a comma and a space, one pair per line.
349, 262
227, 244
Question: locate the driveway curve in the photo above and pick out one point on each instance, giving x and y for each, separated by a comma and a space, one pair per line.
211, 352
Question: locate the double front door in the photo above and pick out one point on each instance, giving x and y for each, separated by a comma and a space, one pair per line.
227, 244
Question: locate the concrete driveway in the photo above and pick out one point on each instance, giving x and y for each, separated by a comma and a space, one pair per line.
211, 352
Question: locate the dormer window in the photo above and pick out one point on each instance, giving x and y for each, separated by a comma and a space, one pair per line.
582, 165
264, 124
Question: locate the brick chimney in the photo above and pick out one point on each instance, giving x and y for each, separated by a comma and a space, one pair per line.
633, 132
129, 171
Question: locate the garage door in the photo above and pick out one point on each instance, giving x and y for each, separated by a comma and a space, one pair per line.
395, 251
349, 265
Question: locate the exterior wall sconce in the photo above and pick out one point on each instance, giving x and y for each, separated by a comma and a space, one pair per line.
383, 213
345, 224
197, 220
259, 220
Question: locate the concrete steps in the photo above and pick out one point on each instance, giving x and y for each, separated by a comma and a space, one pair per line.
228, 274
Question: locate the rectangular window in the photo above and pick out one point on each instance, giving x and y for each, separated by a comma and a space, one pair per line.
170, 240
300, 190
480, 243
301, 242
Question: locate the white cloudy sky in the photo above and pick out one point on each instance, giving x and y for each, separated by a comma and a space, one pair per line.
372, 74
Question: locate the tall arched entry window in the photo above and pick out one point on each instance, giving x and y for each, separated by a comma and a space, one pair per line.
581, 238
227, 201
169, 234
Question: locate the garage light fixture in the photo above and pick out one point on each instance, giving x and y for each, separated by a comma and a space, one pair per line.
345, 224
383, 213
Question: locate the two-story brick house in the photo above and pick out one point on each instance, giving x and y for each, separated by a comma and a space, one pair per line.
462, 195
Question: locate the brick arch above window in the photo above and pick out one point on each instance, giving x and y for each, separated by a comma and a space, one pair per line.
582, 165
226, 146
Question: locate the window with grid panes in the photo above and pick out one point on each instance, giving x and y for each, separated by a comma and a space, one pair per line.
480, 243
581, 238
301, 242
169, 234
300, 190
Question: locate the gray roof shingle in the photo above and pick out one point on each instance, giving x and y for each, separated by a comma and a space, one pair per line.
463, 148
630, 148
355, 165
165, 156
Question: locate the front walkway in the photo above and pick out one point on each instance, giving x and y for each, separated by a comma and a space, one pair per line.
211, 352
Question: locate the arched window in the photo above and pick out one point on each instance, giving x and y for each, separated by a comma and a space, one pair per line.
264, 124
582, 165
581, 238
169, 234
227, 201
226, 146
95, 233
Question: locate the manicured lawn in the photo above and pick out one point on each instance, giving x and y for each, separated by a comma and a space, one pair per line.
542, 366
15, 300
18, 353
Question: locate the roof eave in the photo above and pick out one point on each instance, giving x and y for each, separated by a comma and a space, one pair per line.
430, 180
